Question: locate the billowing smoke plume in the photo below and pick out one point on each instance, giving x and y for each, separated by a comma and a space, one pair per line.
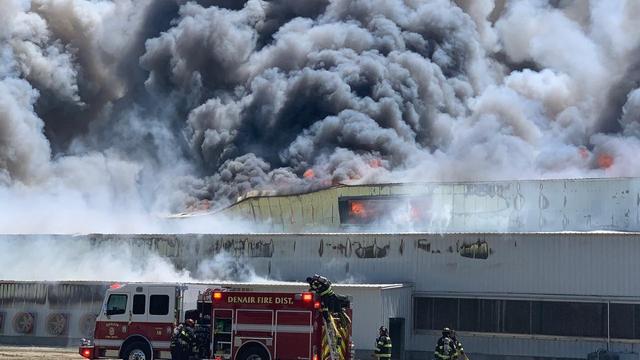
141, 106
76, 258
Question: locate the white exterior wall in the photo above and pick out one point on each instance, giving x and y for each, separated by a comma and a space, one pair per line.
516, 264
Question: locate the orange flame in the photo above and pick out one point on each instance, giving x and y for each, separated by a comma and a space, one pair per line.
357, 209
605, 161
198, 205
309, 174
204, 205
375, 163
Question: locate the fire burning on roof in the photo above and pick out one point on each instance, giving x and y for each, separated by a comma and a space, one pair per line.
605, 161
309, 174
375, 163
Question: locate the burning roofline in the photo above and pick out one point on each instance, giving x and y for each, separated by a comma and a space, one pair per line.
271, 193
257, 194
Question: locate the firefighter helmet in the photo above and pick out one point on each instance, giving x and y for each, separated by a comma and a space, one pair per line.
446, 332
190, 323
383, 331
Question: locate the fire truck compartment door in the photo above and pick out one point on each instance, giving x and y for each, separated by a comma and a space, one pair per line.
254, 322
161, 304
293, 334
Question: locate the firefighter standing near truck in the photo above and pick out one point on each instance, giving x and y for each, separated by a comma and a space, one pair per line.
459, 354
202, 334
183, 341
383, 344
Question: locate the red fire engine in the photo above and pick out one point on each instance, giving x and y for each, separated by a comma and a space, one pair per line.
137, 323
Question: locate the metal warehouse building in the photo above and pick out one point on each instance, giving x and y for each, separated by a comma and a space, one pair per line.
522, 269
531, 295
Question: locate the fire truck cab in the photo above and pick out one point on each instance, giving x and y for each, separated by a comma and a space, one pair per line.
137, 322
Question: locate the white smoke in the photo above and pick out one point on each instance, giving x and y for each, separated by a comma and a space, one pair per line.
75, 258
114, 111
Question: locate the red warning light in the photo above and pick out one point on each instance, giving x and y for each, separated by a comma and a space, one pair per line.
307, 297
87, 353
217, 295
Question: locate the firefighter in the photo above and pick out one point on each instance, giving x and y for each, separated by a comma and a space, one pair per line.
383, 344
445, 349
330, 300
183, 341
458, 346
202, 333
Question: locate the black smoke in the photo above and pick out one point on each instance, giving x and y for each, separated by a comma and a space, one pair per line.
161, 104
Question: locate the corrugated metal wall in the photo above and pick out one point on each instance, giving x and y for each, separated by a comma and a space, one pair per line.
543, 205
54, 313
510, 264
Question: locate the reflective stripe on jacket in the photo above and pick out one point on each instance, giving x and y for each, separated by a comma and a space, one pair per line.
383, 347
445, 350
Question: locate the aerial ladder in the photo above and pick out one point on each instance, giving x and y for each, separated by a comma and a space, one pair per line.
332, 337
336, 320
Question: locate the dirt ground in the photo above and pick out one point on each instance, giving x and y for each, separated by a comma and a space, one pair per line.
29, 353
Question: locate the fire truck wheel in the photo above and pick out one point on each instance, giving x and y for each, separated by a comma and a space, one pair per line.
137, 351
252, 352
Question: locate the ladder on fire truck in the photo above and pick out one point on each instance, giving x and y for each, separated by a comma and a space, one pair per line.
330, 328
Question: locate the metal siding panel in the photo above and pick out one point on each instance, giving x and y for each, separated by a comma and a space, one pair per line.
276, 213
544, 205
563, 264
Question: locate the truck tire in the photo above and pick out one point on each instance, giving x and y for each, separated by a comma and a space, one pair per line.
252, 352
137, 350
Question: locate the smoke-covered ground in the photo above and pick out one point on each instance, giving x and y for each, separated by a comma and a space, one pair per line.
112, 112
